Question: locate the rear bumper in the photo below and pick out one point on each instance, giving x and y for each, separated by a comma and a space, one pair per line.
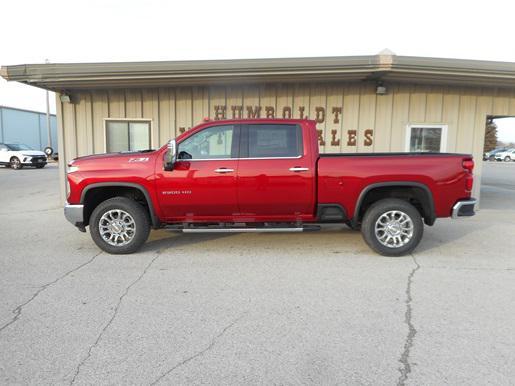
75, 215
464, 208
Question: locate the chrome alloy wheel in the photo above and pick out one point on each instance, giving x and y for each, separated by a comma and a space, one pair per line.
394, 229
117, 227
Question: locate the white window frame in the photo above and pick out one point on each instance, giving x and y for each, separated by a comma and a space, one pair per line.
151, 126
443, 140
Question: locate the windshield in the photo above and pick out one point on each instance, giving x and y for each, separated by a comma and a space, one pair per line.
18, 146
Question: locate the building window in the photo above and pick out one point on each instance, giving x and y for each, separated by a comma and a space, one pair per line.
426, 138
127, 135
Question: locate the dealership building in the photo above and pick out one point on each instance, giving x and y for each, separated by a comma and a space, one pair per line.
378, 103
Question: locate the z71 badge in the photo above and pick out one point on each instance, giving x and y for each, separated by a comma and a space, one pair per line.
140, 159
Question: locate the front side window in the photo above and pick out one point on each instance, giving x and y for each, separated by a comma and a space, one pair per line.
127, 135
212, 143
431, 138
274, 141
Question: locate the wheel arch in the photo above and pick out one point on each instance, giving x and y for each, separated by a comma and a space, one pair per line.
108, 188
418, 191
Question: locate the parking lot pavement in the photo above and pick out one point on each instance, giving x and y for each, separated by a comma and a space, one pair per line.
314, 308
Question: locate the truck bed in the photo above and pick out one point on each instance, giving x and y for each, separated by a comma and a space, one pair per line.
391, 154
343, 177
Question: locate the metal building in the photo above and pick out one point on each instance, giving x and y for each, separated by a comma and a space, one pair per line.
27, 127
362, 104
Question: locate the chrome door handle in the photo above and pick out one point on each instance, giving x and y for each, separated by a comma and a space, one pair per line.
298, 169
224, 170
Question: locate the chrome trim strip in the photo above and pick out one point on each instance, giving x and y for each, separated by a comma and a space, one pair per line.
298, 169
236, 159
242, 230
74, 213
456, 208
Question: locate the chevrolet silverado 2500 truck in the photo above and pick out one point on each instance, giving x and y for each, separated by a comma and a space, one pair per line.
264, 175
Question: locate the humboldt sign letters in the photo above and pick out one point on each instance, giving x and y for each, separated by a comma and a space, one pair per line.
335, 114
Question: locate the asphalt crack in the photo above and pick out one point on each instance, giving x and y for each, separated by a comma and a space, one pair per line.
405, 369
199, 353
19, 309
30, 211
113, 316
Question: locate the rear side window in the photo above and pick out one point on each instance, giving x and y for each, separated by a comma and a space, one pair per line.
271, 141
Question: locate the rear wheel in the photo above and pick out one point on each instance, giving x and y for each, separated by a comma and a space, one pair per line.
16, 163
392, 227
119, 225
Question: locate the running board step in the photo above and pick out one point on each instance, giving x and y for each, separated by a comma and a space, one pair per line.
251, 230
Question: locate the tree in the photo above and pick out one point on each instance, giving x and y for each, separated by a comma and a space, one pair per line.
490, 136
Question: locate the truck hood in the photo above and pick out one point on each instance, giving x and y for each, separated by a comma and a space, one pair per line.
115, 161
113, 156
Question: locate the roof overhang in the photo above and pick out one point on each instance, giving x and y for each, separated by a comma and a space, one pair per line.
382, 67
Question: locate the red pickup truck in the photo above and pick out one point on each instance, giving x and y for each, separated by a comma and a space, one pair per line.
264, 175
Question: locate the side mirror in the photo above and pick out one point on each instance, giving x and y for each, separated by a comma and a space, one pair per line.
170, 155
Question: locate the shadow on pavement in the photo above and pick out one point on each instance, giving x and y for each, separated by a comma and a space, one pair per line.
162, 239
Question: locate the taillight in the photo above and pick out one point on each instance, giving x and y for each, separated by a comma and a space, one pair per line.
469, 182
468, 165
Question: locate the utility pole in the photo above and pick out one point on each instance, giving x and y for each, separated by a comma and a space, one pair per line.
49, 129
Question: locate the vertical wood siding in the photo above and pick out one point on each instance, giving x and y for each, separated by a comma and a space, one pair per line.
174, 109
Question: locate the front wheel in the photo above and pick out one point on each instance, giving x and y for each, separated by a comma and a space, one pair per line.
119, 225
392, 227
507, 159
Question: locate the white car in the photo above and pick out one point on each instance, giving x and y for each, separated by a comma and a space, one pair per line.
17, 155
508, 155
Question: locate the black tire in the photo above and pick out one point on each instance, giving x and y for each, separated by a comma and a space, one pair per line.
136, 211
16, 163
375, 211
507, 159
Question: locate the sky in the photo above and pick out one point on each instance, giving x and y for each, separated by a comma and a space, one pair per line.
128, 30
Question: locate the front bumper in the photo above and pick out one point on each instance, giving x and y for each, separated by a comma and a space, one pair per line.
75, 215
34, 161
464, 208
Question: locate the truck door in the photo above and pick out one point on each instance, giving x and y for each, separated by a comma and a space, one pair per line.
202, 185
276, 173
